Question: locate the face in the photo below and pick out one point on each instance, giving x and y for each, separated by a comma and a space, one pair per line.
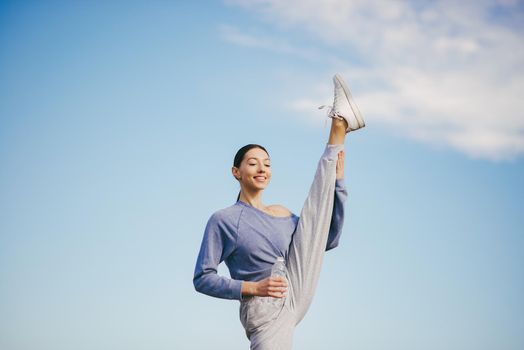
255, 170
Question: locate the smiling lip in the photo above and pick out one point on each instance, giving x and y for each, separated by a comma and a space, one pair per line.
260, 178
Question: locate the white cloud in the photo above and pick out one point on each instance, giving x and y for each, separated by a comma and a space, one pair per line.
443, 72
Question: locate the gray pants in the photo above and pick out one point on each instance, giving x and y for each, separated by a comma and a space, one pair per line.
270, 326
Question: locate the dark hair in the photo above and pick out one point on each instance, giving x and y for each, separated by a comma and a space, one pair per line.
240, 156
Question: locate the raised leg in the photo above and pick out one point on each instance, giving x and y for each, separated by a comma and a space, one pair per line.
309, 241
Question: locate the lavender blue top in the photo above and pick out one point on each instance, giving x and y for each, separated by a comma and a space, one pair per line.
249, 241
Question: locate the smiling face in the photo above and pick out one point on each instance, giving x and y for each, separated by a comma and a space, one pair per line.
254, 172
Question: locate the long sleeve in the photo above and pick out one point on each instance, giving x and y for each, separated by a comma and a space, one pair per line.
218, 243
337, 219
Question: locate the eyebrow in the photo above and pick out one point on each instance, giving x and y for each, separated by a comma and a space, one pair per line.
257, 158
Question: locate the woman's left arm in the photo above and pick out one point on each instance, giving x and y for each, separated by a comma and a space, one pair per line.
337, 218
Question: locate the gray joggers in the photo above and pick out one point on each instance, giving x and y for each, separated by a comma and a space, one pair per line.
270, 326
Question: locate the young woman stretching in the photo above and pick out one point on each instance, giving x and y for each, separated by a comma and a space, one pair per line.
249, 236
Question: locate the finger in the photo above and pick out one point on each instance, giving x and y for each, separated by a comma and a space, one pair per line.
282, 280
277, 289
278, 294
279, 284
274, 293
273, 282
278, 280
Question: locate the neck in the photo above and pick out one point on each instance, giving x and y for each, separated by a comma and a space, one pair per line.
252, 197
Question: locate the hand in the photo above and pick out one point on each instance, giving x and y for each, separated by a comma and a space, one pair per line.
340, 165
272, 287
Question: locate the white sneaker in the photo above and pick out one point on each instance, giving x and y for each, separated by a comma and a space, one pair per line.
344, 107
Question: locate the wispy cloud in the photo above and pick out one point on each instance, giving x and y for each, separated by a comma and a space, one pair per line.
236, 36
443, 72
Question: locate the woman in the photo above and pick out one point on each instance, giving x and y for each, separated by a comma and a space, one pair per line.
249, 236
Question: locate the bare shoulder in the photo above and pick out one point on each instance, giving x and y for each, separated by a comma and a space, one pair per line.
278, 210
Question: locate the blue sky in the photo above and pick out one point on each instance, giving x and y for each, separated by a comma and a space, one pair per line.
118, 126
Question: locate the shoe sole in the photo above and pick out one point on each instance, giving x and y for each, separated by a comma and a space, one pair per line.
352, 104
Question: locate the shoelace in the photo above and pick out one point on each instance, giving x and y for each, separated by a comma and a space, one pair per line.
330, 114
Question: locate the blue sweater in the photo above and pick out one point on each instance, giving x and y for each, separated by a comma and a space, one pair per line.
249, 241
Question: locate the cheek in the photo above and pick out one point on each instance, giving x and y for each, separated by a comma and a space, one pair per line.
245, 170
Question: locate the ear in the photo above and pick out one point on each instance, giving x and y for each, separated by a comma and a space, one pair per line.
236, 173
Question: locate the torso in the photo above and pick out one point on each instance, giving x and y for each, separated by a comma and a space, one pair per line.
258, 238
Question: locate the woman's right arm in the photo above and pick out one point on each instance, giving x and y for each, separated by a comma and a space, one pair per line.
218, 243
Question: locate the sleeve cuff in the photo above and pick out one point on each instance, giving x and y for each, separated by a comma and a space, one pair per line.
236, 289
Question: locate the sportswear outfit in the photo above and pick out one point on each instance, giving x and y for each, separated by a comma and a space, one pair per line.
249, 241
